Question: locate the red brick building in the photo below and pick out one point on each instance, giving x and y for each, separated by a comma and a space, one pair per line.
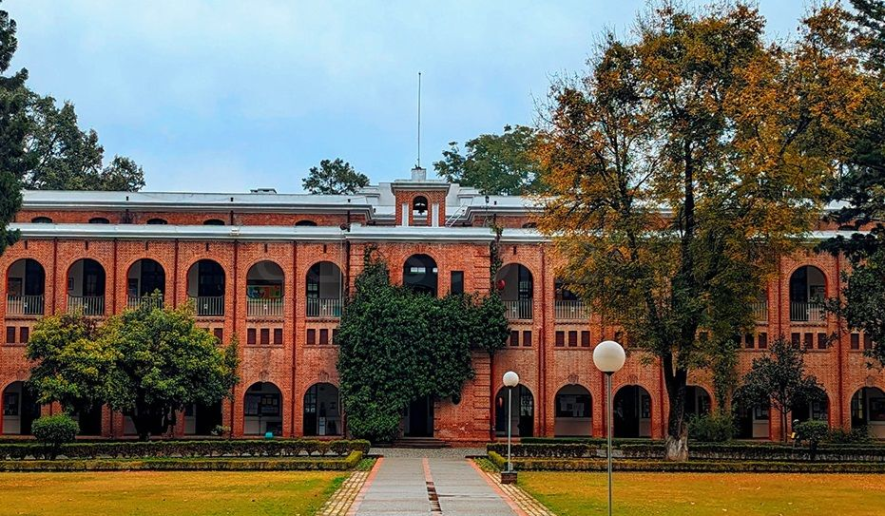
274, 269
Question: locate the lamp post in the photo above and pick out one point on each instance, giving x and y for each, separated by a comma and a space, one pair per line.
609, 357
511, 380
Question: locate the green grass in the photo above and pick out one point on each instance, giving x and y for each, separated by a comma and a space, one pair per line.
151, 493
707, 494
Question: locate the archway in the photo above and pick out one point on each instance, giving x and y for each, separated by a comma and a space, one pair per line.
516, 286
90, 420
264, 290
808, 291
868, 410
522, 412
86, 287
205, 286
325, 290
574, 412
322, 410
263, 409
697, 401
145, 277
202, 419
25, 288
420, 274
567, 306
632, 412
816, 408
752, 421
20, 409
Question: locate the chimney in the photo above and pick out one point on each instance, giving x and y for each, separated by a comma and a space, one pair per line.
419, 174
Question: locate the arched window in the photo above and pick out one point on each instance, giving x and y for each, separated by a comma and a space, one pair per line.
574, 412
305, 223
632, 410
41, 220
814, 407
808, 291
522, 412
157, 222
868, 410
263, 409
86, 287
145, 277
697, 401
99, 220
20, 409
420, 274
25, 285
322, 410
202, 419
213, 222
206, 286
516, 286
419, 205
324, 290
264, 290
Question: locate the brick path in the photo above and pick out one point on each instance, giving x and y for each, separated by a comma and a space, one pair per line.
526, 502
344, 497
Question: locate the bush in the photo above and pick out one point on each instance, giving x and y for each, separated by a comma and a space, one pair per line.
811, 432
711, 428
54, 431
855, 436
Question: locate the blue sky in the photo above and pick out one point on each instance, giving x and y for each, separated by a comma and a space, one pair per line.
224, 95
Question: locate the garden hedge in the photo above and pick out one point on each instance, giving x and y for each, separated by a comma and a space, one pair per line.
182, 464
172, 449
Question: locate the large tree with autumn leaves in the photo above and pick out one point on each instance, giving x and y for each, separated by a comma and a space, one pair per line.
690, 157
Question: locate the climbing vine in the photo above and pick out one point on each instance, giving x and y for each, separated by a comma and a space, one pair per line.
398, 346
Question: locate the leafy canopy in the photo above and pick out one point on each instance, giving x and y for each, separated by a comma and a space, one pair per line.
397, 346
684, 163
496, 164
334, 177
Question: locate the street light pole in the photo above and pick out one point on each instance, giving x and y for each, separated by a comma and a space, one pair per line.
609, 357
608, 433
511, 380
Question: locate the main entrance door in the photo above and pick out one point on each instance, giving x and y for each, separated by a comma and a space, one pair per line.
419, 420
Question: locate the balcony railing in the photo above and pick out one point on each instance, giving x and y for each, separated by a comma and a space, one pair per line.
209, 306
760, 311
519, 310
808, 312
133, 302
324, 308
570, 311
264, 307
87, 305
24, 305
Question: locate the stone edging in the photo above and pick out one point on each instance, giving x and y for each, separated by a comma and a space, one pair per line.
341, 501
523, 503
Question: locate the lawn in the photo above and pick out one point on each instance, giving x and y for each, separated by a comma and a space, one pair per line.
161, 493
704, 494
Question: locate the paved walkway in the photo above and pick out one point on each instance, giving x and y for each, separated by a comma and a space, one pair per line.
403, 486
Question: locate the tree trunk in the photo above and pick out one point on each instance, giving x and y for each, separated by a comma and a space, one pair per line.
676, 444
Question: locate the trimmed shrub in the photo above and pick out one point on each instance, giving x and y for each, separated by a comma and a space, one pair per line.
854, 436
811, 432
711, 428
54, 431
690, 466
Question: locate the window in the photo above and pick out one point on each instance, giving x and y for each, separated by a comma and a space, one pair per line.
311, 337
265, 336
157, 222
763, 340
514, 339
572, 339
278, 336
855, 341
219, 334
305, 223
526, 338
24, 335
419, 204
867, 342
585, 339
795, 339
809, 340
213, 222
335, 336
324, 337
10, 335
560, 339
749, 341
99, 220
41, 220
822, 341
457, 282
250, 336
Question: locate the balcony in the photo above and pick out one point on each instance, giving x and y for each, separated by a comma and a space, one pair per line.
87, 305
133, 302
209, 306
324, 308
572, 310
813, 313
760, 311
24, 305
518, 310
266, 308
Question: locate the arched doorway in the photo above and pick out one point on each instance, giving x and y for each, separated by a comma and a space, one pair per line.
808, 291
632, 411
145, 277
202, 419
322, 410
516, 286
815, 408
751, 419
420, 274
263, 409
86, 287
522, 412
868, 410
25, 288
20, 409
697, 401
574, 412
325, 291
264, 290
205, 286
90, 420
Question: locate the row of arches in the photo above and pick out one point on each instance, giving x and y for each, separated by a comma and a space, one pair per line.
156, 221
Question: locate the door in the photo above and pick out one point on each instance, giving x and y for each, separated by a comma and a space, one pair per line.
420, 418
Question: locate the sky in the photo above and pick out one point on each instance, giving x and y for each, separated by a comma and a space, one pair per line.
229, 95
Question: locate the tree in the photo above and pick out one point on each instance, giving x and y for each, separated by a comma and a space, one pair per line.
14, 127
147, 363
683, 165
397, 346
863, 187
780, 377
334, 177
496, 164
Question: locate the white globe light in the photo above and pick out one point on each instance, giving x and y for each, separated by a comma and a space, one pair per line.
511, 379
609, 356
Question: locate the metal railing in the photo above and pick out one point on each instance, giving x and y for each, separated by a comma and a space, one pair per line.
264, 307
519, 310
24, 305
133, 302
324, 308
760, 311
573, 310
87, 305
808, 312
209, 306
